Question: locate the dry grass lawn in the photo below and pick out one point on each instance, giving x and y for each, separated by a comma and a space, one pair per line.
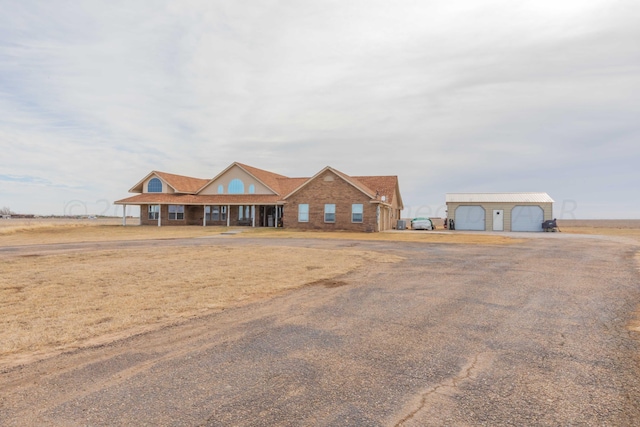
633, 233
52, 303
59, 302
31, 232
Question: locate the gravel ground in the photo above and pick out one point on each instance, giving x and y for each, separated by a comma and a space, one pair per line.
528, 334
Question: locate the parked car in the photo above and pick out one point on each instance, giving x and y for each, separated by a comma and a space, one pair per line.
422, 224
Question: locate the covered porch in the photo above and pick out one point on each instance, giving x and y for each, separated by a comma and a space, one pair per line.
229, 215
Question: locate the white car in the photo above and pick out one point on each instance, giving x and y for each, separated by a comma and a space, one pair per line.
422, 224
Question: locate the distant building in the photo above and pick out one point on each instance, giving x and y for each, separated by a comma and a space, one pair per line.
499, 211
243, 195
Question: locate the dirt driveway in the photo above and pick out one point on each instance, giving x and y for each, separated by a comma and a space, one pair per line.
530, 334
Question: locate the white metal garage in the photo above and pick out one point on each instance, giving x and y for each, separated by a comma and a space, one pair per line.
499, 211
527, 218
470, 218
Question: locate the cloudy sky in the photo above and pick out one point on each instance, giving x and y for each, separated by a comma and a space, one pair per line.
450, 95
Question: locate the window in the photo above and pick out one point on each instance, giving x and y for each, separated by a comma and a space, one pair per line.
252, 189
356, 212
154, 186
220, 189
303, 212
154, 211
236, 186
212, 213
244, 212
176, 212
329, 213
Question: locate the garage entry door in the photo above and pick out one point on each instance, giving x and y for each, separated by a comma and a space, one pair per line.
526, 218
470, 218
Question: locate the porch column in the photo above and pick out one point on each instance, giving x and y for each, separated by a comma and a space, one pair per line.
124, 215
264, 217
253, 215
159, 214
275, 224
228, 215
204, 216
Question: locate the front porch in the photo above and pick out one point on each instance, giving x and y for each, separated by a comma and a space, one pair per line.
209, 215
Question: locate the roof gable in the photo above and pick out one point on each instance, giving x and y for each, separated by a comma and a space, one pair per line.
267, 179
350, 180
178, 183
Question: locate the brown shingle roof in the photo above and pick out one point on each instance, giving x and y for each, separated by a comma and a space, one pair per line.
193, 199
187, 188
272, 180
383, 185
181, 183
356, 182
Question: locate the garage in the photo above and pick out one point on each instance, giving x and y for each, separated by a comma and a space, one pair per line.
527, 218
470, 218
499, 212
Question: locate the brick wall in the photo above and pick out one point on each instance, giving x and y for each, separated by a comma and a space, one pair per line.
329, 188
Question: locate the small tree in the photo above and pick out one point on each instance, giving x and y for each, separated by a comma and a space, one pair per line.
6, 211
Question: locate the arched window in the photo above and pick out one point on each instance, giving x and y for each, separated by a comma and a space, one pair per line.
154, 186
252, 189
236, 186
220, 189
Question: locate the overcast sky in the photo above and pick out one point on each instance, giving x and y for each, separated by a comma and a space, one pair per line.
451, 96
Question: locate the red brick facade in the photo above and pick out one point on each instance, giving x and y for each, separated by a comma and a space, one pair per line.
246, 196
329, 188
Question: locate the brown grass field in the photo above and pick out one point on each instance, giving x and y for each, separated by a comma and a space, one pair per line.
54, 303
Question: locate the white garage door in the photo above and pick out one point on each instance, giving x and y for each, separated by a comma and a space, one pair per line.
470, 218
526, 218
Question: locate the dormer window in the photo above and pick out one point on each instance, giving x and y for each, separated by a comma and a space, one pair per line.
154, 186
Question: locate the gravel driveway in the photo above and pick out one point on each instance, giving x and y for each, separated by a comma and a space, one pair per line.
528, 334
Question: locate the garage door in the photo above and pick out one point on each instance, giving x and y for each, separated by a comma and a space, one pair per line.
526, 218
470, 218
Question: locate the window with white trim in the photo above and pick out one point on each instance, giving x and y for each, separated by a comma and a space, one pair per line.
154, 211
244, 212
330, 212
303, 212
154, 186
176, 212
357, 210
216, 213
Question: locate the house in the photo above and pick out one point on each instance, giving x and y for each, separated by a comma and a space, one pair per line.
499, 211
242, 195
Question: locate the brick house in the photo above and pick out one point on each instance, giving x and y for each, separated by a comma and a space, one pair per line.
243, 195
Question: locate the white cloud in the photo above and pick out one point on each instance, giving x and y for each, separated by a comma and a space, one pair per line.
451, 96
